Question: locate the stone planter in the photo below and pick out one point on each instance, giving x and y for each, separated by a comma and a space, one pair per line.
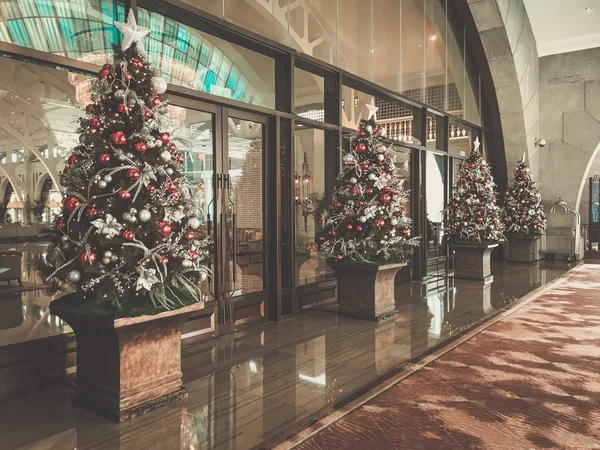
522, 248
127, 366
366, 291
472, 261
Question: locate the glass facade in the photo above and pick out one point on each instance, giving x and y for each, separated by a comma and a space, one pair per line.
265, 141
412, 47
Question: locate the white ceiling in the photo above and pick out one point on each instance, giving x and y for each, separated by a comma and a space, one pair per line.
562, 26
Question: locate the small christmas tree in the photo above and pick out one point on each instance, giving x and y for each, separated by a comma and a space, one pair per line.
472, 215
522, 211
129, 232
367, 221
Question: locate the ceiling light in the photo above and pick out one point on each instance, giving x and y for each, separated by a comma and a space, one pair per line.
434, 37
588, 9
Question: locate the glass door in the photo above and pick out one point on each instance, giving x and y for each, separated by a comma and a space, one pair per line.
225, 160
435, 201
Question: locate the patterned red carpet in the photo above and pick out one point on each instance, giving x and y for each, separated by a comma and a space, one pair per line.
531, 380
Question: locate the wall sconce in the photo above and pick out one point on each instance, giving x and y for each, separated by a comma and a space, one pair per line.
541, 142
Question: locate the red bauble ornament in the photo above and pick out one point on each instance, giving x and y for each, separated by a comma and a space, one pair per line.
380, 223
86, 258
171, 186
133, 174
479, 220
359, 228
147, 115
180, 159
72, 203
151, 187
172, 148
92, 212
118, 138
90, 108
128, 76
361, 203
332, 232
369, 190
365, 165
362, 133
73, 159
339, 257
194, 255
129, 235
405, 231
349, 227
164, 228
137, 62
155, 101
386, 188
361, 147
189, 235
122, 108
164, 260
356, 192
124, 195
104, 73
60, 224
141, 147
386, 198
165, 138
94, 122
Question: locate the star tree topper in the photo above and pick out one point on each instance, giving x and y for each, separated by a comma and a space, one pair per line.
372, 109
132, 33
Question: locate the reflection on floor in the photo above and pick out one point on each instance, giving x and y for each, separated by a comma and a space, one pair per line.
531, 380
261, 386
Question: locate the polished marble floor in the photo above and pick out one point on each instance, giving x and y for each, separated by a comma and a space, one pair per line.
530, 380
259, 387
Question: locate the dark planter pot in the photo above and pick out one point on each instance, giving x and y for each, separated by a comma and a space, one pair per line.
366, 291
128, 366
472, 261
522, 248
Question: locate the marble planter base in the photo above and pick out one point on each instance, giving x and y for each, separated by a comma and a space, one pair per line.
130, 366
522, 249
367, 291
472, 261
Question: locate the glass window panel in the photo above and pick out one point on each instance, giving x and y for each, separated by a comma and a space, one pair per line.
412, 27
459, 139
313, 29
309, 193
309, 94
436, 202
268, 19
387, 44
218, 57
456, 69
355, 37
50, 26
435, 54
472, 89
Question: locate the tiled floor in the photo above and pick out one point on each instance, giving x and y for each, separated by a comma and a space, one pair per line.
530, 380
259, 387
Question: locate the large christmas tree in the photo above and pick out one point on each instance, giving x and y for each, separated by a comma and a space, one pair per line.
523, 213
129, 231
367, 220
472, 215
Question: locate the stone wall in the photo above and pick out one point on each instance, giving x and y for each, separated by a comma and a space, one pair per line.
510, 47
570, 123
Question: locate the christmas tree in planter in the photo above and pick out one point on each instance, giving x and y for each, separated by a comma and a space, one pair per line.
473, 226
367, 232
128, 240
523, 216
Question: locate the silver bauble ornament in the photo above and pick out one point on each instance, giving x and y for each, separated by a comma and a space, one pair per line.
101, 184
73, 276
107, 254
362, 219
186, 263
132, 219
131, 102
371, 176
169, 171
107, 178
165, 155
158, 143
353, 180
203, 276
121, 157
380, 157
64, 238
132, 211
119, 94
194, 223
126, 216
368, 128
144, 215
394, 222
160, 84
105, 261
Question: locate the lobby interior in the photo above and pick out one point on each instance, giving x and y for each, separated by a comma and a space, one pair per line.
269, 94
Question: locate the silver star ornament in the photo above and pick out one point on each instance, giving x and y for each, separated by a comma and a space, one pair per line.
132, 33
372, 109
